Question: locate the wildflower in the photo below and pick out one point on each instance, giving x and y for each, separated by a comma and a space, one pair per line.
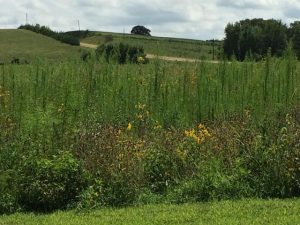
181, 154
129, 127
200, 135
140, 59
140, 106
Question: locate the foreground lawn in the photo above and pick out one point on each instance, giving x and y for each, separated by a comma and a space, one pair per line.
225, 212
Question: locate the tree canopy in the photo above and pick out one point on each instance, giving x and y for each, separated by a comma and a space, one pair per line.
255, 37
294, 36
141, 30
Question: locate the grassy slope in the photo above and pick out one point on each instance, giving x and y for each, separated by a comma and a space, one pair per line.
225, 212
159, 45
28, 45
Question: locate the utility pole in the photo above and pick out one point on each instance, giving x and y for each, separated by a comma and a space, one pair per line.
26, 19
78, 25
213, 49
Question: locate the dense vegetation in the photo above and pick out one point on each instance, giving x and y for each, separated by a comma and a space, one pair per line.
255, 37
80, 33
60, 36
88, 134
252, 38
121, 53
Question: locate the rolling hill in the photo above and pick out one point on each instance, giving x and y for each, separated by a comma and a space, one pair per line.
28, 46
163, 46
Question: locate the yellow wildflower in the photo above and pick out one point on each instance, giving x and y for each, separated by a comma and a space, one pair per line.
200, 135
140, 59
129, 127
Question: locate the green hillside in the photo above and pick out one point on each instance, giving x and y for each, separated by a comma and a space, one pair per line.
28, 46
160, 45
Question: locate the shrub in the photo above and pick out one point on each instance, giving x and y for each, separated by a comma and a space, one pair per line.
273, 160
160, 169
85, 55
15, 60
211, 182
50, 184
8, 200
92, 197
121, 53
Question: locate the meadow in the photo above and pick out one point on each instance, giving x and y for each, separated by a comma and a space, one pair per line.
88, 134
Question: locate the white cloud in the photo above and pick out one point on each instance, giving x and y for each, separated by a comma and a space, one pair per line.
199, 19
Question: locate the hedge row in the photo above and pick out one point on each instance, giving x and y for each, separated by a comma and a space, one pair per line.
60, 36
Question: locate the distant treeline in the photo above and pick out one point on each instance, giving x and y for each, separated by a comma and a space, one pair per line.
254, 37
60, 36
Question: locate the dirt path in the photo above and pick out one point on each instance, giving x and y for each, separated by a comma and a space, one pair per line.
86, 45
150, 56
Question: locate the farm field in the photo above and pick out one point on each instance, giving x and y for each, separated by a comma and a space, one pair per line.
224, 212
173, 47
29, 46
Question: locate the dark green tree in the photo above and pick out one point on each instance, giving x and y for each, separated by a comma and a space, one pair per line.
141, 30
255, 36
294, 36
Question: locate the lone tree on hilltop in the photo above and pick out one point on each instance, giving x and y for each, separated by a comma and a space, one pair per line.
141, 30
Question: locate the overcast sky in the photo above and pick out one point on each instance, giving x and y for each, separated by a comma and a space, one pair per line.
197, 19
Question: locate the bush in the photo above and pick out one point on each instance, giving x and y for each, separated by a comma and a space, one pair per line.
85, 55
50, 184
15, 60
211, 182
160, 169
121, 53
273, 160
92, 197
8, 200
119, 191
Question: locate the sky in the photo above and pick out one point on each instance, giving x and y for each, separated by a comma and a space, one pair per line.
195, 19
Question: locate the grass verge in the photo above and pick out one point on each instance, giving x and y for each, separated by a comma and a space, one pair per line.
224, 212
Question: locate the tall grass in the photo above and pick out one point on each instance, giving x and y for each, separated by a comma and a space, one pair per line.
137, 126
175, 94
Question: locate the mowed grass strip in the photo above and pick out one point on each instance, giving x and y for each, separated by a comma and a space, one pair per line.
224, 212
27, 45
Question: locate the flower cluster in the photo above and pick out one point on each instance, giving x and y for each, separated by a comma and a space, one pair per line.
199, 135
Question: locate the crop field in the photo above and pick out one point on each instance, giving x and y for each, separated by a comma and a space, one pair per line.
85, 134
